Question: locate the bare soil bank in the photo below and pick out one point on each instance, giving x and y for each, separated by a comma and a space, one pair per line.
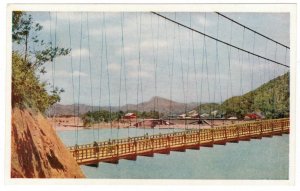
37, 151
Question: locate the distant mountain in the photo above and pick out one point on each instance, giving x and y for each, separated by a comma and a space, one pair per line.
162, 106
271, 99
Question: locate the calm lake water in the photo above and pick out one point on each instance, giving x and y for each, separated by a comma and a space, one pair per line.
258, 159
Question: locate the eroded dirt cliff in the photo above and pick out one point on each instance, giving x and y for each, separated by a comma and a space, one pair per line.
37, 151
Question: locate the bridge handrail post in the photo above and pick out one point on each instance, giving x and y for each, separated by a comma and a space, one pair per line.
76, 152
237, 129
135, 145
212, 135
249, 128
117, 149
225, 130
152, 143
199, 136
261, 124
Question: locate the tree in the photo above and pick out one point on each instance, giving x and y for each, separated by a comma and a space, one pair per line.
27, 90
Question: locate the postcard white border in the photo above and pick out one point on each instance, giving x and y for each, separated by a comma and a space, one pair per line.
291, 8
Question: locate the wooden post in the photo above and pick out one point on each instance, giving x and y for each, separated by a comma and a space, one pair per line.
261, 124
135, 145
199, 136
117, 147
212, 135
168, 141
237, 128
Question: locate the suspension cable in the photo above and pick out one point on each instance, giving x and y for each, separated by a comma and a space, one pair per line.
223, 42
255, 32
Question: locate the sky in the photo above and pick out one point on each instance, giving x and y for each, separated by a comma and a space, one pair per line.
110, 71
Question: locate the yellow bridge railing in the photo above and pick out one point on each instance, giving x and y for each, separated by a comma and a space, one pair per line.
130, 148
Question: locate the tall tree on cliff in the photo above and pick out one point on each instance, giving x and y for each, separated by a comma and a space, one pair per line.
27, 88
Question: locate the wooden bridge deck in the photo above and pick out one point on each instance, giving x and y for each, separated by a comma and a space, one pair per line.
113, 151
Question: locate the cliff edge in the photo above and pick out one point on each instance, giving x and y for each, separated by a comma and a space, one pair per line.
37, 151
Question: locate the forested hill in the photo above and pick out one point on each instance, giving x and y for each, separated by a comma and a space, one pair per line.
271, 99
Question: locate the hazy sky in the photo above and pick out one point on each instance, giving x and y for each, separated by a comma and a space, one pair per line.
161, 43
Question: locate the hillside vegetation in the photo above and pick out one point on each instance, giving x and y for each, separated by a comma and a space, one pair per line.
270, 99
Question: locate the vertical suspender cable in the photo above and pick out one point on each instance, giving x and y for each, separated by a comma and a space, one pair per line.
215, 78
124, 66
202, 66
241, 72
182, 75
207, 78
78, 101
140, 71
52, 70
156, 65
54, 62
274, 95
100, 76
120, 79
90, 66
172, 72
168, 58
138, 80
240, 54
252, 79
72, 72
107, 72
188, 71
229, 65
195, 73
285, 57
218, 66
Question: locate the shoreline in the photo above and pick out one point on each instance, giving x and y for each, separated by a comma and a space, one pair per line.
126, 126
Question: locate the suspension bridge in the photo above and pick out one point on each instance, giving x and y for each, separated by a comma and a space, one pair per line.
182, 65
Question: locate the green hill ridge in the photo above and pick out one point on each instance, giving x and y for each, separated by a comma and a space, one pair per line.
270, 99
